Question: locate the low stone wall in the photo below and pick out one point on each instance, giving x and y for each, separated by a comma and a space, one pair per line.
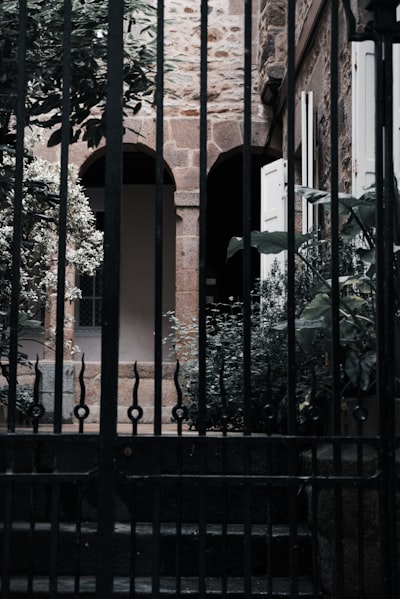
360, 508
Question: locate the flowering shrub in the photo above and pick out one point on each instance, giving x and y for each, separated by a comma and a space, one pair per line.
40, 216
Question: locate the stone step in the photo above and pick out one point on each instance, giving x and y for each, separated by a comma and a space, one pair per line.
273, 588
178, 549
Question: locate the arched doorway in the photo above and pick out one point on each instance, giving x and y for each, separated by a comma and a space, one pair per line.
224, 220
137, 259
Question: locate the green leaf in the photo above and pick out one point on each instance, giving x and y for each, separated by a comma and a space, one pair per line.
360, 369
267, 242
320, 307
55, 138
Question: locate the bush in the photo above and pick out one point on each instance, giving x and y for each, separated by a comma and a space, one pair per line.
269, 358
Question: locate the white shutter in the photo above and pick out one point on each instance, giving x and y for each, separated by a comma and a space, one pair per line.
273, 208
363, 116
307, 156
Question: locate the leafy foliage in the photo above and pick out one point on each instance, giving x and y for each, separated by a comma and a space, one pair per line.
357, 286
24, 398
38, 253
224, 359
88, 52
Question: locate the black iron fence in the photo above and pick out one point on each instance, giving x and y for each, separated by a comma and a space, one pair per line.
274, 469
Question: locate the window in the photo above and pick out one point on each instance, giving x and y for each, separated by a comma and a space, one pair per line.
89, 308
90, 303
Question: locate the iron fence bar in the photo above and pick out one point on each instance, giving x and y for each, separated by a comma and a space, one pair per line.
385, 21
246, 217
62, 224
314, 524
291, 300
180, 548
246, 287
334, 210
54, 539
158, 270
380, 303
390, 432
202, 480
17, 218
111, 292
159, 200
203, 217
133, 538
7, 525
291, 294
360, 524
156, 524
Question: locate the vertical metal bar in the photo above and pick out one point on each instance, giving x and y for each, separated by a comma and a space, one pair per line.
113, 194
54, 536
62, 225
246, 289
334, 133
291, 301
111, 291
291, 297
334, 182
17, 223
360, 523
380, 306
159, 220
202, 547
156, 454
246, 216
388, 420
7, 492
385, 294
203, 216
156, 534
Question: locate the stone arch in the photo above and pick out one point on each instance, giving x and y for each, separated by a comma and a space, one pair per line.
137, 252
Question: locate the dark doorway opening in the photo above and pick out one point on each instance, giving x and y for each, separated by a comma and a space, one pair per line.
224, 220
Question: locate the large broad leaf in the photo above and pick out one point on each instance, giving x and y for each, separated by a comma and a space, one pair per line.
267, 242
360, 211
28, 323
302, 323
348, 331
346, 202
363, 283
360, 369
320, 307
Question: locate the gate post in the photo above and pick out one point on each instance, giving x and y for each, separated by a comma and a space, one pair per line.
385, 26
384, 30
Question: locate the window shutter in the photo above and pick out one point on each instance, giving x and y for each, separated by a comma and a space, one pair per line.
363, 111
273, 208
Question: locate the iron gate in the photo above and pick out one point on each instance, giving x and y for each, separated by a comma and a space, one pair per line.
270, 503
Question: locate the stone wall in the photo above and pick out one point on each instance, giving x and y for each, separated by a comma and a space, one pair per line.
273, 48
313, 74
